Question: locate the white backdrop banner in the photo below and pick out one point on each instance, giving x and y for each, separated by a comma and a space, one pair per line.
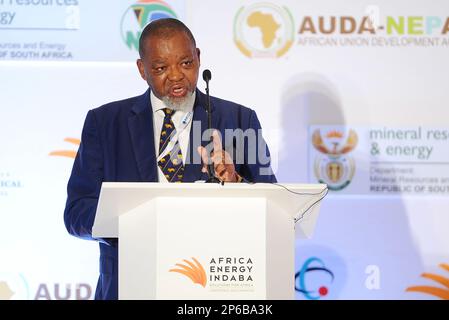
351, 93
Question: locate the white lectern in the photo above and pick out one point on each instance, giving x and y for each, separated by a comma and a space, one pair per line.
207, 241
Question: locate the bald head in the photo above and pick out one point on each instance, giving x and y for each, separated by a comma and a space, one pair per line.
163, 28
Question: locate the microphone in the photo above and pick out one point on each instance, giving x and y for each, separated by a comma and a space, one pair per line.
207, 75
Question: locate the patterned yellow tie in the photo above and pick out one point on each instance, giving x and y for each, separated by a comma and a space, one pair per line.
171, 164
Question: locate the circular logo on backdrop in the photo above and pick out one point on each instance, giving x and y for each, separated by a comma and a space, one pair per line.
138, 15
313, 265
321, 272
263, 30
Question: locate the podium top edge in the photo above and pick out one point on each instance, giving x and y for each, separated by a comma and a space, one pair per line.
212, 186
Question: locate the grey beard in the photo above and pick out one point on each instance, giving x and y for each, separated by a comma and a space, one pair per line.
178, 104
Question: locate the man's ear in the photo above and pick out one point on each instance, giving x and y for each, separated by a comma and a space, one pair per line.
141, 68
198, 54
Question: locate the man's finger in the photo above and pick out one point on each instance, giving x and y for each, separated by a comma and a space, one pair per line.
217, 158
203, 153
217, 142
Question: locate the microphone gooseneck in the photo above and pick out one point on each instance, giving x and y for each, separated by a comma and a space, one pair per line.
210, 166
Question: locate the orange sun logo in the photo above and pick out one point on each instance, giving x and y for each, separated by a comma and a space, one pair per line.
194, 271
439, 292
67, 153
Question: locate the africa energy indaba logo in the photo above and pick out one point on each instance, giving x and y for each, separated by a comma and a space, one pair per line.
138, 15
67, 153
193, 270
263, 30
313, 289
333, 166
222, 273
439, 292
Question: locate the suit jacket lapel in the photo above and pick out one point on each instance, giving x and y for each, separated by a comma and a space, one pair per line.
140, 124
199, 125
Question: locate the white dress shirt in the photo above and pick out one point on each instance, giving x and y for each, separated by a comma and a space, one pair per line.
177, 118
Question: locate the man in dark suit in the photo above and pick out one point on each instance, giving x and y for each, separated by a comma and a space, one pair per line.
158, 137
